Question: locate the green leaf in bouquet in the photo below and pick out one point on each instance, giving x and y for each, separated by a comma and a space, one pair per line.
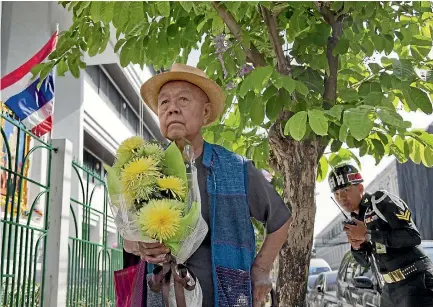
187, 224
114, 184
173, 164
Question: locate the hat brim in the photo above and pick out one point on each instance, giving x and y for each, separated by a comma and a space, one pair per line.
151, 88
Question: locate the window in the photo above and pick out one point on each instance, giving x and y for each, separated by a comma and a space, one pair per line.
92, 163
115, 100
331, 282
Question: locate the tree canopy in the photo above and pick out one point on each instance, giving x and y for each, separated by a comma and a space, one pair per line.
337, 73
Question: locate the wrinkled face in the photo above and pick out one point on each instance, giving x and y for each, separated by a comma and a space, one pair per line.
183, 109
350, 197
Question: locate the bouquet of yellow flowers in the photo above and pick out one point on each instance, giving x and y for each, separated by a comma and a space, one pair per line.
154, 196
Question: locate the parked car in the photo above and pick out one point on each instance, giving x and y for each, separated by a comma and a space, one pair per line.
318, 265
357, 286
323, 292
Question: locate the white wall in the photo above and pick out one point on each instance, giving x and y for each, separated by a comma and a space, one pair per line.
101, 121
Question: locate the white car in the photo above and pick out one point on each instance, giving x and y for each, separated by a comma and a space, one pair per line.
318, 265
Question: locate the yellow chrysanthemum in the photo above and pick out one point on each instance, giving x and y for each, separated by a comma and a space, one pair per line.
127, 148
160, 219
172, 184
154, 151
138, 177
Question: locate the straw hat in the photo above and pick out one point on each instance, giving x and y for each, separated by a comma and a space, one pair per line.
180, 72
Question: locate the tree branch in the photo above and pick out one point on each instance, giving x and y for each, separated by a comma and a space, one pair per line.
330, 94
271, 22
252, 53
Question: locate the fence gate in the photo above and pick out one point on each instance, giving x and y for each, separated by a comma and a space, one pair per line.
94, 252
25, 188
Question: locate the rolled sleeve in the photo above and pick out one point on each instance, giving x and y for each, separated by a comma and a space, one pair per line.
266, 205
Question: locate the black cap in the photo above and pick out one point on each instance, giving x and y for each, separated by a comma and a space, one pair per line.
343, 176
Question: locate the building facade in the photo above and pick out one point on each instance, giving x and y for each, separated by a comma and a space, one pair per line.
95, 112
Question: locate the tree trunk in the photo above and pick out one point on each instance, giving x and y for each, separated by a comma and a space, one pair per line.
297, 162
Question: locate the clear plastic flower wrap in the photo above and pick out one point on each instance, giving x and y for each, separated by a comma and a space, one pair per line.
155, 197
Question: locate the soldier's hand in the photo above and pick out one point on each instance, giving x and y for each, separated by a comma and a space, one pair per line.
356, 232
356, 244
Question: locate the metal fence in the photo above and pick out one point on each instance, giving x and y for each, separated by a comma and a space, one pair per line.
91, 261
31, 226
22, 231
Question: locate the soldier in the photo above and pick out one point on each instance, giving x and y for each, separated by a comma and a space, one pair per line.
382, 227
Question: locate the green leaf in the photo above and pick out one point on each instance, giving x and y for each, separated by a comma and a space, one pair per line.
369, 87
341, 47
343, 133
420, 99
119, 44
125, 53
335, 111
367, 46
288, 83
374, 99
173, 163
322, 170
400, 149
260, 76
336, 145
246, 86
378, 147
37, 69
348, 94
419, 40
229, 135
95, 10
415, 151
243, 104
120, 19
217, 26
296, 126
392, 118
273, 107
163, 7
358, 121
318, 121
375, 68
426, 138
427, 158
187, 5
269, 92
62, 68
364, 148
378, 42
136, 14
302, 88
73, 67
107, 11
257, 112
402, 69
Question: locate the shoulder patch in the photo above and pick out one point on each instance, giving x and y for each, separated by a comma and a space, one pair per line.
404, 215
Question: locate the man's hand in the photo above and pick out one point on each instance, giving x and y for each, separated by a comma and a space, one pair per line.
155, 253
356, 232
356, 244
262, 284
131, 247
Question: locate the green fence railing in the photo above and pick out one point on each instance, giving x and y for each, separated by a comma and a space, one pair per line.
91, 261
23, 202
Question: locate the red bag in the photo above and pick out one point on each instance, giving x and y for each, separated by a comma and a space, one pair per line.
129, 286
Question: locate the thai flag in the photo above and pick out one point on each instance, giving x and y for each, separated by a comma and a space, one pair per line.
33, 107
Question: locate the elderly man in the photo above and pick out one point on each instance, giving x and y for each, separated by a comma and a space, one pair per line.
232, 191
